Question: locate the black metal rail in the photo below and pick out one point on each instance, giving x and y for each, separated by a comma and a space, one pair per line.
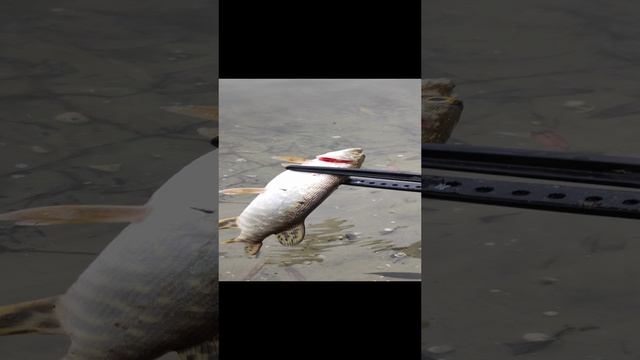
569, 167
373, 178
560, 166
570, 199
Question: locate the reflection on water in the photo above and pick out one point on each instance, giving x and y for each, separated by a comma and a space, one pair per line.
322, 237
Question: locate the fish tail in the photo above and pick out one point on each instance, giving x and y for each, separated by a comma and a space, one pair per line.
252, 248
31, 316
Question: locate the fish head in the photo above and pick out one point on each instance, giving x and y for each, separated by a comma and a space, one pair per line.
351, 158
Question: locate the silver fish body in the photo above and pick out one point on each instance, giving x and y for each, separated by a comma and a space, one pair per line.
288, 199
154, 288
291, 196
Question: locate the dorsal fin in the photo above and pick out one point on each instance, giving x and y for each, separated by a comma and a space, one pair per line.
292, 236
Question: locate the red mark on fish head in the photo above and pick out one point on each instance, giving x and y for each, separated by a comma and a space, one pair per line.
334, 160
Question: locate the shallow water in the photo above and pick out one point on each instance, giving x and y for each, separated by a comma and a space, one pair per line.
570, 69
346, 237
117, 63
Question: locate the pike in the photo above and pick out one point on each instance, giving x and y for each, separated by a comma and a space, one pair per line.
284, 203
151, 291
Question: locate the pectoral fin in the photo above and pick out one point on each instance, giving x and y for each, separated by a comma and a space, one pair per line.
32, 316
291, 159
228, 223
204, 351
242, 191
76, 214
292, 236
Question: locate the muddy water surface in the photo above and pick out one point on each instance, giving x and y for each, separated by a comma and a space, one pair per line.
81, 122
357, 233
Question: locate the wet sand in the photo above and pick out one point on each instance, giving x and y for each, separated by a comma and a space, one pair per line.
567, 69
346, 237
117, 63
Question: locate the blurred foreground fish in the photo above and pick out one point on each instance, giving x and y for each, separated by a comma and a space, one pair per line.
282, 206
152, 290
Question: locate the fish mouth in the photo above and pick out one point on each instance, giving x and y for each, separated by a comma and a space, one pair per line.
351, 156
353, 151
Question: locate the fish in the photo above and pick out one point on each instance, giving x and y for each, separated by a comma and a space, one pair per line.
282, 206
152, 290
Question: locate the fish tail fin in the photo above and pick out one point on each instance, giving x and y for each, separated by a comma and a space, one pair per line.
31, 316
251, 248
76, 214
228, 223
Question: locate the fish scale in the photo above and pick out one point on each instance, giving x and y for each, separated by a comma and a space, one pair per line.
122, 260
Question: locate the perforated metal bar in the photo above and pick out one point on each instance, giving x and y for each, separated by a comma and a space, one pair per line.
561, 166
581, 200
384, 184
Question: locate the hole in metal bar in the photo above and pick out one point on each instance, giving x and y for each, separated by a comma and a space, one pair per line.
484, 189
631, 202
556, 196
